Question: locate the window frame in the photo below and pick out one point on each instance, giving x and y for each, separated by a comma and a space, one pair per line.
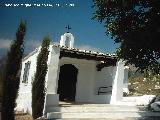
26, 72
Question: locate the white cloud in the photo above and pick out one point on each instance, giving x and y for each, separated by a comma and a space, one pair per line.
5, 43
56, 43
88, 47
30, 45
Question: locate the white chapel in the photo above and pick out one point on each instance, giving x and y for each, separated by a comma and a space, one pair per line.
74, 75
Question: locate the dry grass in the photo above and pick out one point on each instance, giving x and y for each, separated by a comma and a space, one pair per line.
141, 86
22, 116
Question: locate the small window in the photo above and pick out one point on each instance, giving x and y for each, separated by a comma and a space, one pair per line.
26, 72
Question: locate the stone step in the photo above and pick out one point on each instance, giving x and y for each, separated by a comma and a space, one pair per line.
94, 108
102, 115
91, 109
98, 111
127, 118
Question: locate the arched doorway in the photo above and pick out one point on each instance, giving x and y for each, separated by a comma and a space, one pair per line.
67, 82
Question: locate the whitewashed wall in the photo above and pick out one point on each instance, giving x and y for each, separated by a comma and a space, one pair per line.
117, 89
103, 78
24, 100
89, 80
85, 77
125, 81
52, 98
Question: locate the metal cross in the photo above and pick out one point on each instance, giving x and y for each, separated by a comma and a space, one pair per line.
68, 28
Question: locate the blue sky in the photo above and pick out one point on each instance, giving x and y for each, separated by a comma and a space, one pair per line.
41, 21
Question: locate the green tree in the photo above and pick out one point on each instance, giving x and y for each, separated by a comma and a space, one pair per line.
11, 79
135, 25
38, 86
2, 71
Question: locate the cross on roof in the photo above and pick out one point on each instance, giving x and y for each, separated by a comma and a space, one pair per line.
68, 28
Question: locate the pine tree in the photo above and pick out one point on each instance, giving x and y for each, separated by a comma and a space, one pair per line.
135, 26
38, 86
11, 79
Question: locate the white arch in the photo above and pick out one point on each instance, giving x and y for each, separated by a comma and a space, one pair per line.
64, 38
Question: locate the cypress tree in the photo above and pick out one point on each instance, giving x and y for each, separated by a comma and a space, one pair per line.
38, 85
11, 79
